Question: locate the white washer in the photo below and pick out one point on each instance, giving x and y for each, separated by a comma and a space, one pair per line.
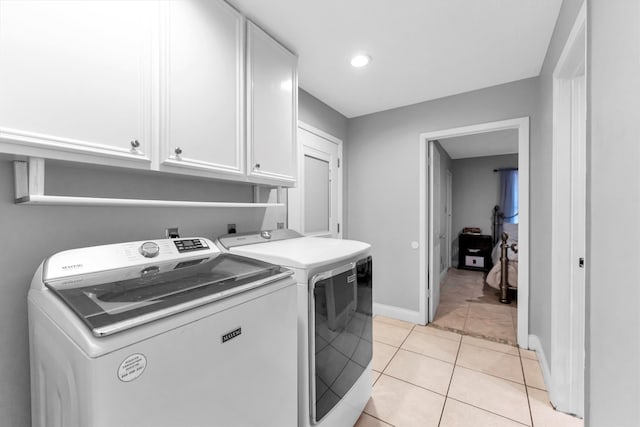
334, 319
162, 333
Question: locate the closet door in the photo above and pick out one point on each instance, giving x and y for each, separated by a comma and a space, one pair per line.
75, 76
203, 87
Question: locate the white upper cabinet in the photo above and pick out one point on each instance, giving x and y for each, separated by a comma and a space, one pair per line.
150, 84
76, 78
272, 89
202, 87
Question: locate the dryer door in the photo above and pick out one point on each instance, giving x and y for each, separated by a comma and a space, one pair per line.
341, 327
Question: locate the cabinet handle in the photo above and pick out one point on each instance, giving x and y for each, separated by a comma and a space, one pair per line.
134, 146
257, 166
178, 152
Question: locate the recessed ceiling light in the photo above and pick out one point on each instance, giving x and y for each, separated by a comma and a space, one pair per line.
360, 60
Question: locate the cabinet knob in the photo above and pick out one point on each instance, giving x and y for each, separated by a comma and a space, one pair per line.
134, 146
257, 166
178, 152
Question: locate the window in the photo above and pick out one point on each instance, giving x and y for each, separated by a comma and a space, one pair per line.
509, 195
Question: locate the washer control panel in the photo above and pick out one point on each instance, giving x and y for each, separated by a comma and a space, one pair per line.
74, 262
188, 245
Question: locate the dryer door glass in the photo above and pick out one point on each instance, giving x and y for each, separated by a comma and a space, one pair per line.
340, 323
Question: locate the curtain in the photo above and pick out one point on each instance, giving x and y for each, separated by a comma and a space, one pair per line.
509, 195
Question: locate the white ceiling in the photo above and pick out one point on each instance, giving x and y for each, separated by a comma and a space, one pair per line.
481, 144
421, 49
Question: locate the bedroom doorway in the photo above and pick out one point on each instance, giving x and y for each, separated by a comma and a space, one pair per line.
428, 277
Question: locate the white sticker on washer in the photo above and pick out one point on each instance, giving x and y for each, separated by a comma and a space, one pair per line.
132, 367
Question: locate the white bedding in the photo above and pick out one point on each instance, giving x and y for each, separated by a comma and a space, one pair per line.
494, 275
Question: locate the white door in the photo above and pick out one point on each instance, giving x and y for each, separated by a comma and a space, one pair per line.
448, 208
578, 239
315, 206
435, 201
569, 225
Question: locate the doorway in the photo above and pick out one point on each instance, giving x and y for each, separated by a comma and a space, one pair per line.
315, 205
429, 282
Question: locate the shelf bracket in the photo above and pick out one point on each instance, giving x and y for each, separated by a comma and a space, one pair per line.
28, 178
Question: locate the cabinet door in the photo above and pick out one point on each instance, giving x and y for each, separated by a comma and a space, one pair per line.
272, 109
202, 63
75, 76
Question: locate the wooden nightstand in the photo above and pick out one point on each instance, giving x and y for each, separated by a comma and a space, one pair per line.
475, 252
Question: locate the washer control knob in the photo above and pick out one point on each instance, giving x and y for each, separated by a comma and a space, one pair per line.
149, 249
265, 234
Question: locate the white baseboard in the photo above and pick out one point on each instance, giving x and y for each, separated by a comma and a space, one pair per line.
398, 313
536, 345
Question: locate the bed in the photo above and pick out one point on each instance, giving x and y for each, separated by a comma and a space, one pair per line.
505, 237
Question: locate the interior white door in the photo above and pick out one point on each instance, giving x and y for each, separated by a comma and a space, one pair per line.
578, 239
566, 390
435, 201
315, 206
448, 209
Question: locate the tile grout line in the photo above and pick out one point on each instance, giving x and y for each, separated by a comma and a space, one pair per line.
526, 388
486, 410
453, 371
395, 352
385, 367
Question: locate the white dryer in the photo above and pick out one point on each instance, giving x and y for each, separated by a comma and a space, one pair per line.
162, 333
334, 319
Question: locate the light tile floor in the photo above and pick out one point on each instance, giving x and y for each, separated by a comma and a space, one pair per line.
471, 307
425, 376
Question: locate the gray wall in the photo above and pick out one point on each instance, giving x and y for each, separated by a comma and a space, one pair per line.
540, 178
31, 233
383, 172
613, 347
476, 190
316, 113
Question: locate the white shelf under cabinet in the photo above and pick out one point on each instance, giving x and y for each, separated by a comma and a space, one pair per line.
29, 190
46, 200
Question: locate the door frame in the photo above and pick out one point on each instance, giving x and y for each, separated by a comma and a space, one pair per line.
433, 234
566, 388
295, 202
522, 126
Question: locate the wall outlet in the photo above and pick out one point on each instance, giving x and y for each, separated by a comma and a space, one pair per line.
280, 225
172, 233
231, 228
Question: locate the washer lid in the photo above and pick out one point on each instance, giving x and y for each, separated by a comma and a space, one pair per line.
303, 252
109, 302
